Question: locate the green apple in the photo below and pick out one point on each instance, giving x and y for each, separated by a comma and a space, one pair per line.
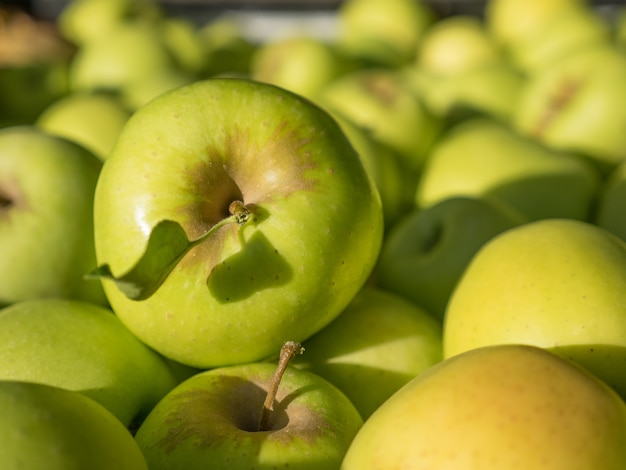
230, 215
221, 418
381, 101
93, 120
555, 283
483, 157
302, 63
83, 347
575, 105
80, 21
612, 200
504, 407
182, 37
536, 33
379, 343
425, 253
50, 428
461, 69
383, 32
47, 187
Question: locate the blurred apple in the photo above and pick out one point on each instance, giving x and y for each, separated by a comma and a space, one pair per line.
302, 64
482, 157
47, 187
81, 21
49, 428
460, 70
577, 105
557, 284
379, 343
83, 347
504, 407
93, 120
612, 200
380, 100
425, 253
383, 32
214, 420
535, 33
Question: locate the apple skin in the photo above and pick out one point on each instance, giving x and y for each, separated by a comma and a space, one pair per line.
575, 105
505, 407
425, 254
210, 421
611, 203
483, 157
50, 428
239, 295
379, 343
93, 120
47, 187
553, 283
83, 347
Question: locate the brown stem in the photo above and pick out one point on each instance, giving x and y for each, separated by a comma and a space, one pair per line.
289, 350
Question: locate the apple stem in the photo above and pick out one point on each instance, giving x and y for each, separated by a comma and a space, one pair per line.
289, 350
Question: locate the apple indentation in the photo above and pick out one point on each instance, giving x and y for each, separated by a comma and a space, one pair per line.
5, 201
565, 93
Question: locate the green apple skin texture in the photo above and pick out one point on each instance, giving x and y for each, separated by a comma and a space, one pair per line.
243, 292
425, 254
378, 344
46, 230
211, 419
557, 284
49, 428
82, 347
482, 157
504, 407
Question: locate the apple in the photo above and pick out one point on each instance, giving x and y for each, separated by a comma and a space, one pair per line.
460, 69
50, 428
554, 283
302, 63
381, 101
47, 187
505, 407
575, 105
93, 120
383, 32
425, 253
83, 347
230, 215
81, 21
250, 416
610, 207
379, 343
483, 157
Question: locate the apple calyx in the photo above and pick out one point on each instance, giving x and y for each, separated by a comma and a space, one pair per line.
287, 352
167, 245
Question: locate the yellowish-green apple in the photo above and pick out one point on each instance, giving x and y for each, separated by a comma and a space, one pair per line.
49, 428
425, 253
576, 105
483, 157
379, 343
83, 347
502, 407
611, 203
47, 186
383, 32
553, 283
230, 216
460, 69
302, 63
93, 120
381, 101
222, 418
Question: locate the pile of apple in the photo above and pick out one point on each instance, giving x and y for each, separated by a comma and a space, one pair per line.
404, 247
